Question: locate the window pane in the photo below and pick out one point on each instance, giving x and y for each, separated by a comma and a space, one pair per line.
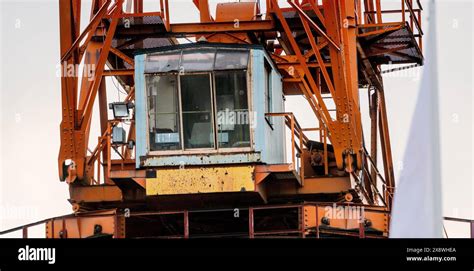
231, 60
233, 118
163, 112
202, 60
163, 62
197, 114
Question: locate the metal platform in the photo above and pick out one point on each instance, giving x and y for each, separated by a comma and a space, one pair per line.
392, 43
308, 220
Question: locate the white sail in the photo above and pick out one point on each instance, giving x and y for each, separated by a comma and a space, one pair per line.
417, 209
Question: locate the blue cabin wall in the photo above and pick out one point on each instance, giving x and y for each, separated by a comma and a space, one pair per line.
141, 144
269, 138
276, 150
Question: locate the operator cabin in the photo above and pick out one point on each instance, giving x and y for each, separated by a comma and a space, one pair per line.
202, 106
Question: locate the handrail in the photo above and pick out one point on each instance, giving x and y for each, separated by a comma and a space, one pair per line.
373, 166
374, 16
43, 221
374, 186
413, 17
462, 220
458, 219
388, 196
296, 132
164, 8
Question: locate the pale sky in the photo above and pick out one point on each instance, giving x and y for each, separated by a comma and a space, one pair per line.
30, 108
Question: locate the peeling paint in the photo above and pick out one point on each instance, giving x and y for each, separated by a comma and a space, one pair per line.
201, 180
199, 159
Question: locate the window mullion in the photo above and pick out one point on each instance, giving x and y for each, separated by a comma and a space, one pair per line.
214, 109
180, 114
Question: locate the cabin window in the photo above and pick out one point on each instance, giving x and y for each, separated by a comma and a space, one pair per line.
198, 132
202, 60
231, 60
198, 100
164, 62
163, 113
233, 118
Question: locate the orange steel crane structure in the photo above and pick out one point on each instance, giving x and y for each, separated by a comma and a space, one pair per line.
330, 52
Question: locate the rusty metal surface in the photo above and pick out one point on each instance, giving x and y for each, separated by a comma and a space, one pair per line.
85, 226
397, 46
201, 159
201, 180
311, 220
316, 53
96, 193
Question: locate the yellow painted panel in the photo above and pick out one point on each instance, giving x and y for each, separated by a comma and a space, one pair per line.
201, 180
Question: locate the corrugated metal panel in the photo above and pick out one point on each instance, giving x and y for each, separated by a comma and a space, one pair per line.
257, 85
276, 147
270, 140
140, 109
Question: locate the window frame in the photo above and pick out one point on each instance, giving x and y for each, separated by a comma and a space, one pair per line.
268, 92
174, 74
212, 82
249, 106
181, 110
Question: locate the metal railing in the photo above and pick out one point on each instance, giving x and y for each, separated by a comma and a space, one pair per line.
165, 12
104, 150
298, 140
300, 231
408, 7
461, 220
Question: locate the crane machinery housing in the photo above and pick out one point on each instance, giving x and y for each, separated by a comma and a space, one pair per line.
201, 144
